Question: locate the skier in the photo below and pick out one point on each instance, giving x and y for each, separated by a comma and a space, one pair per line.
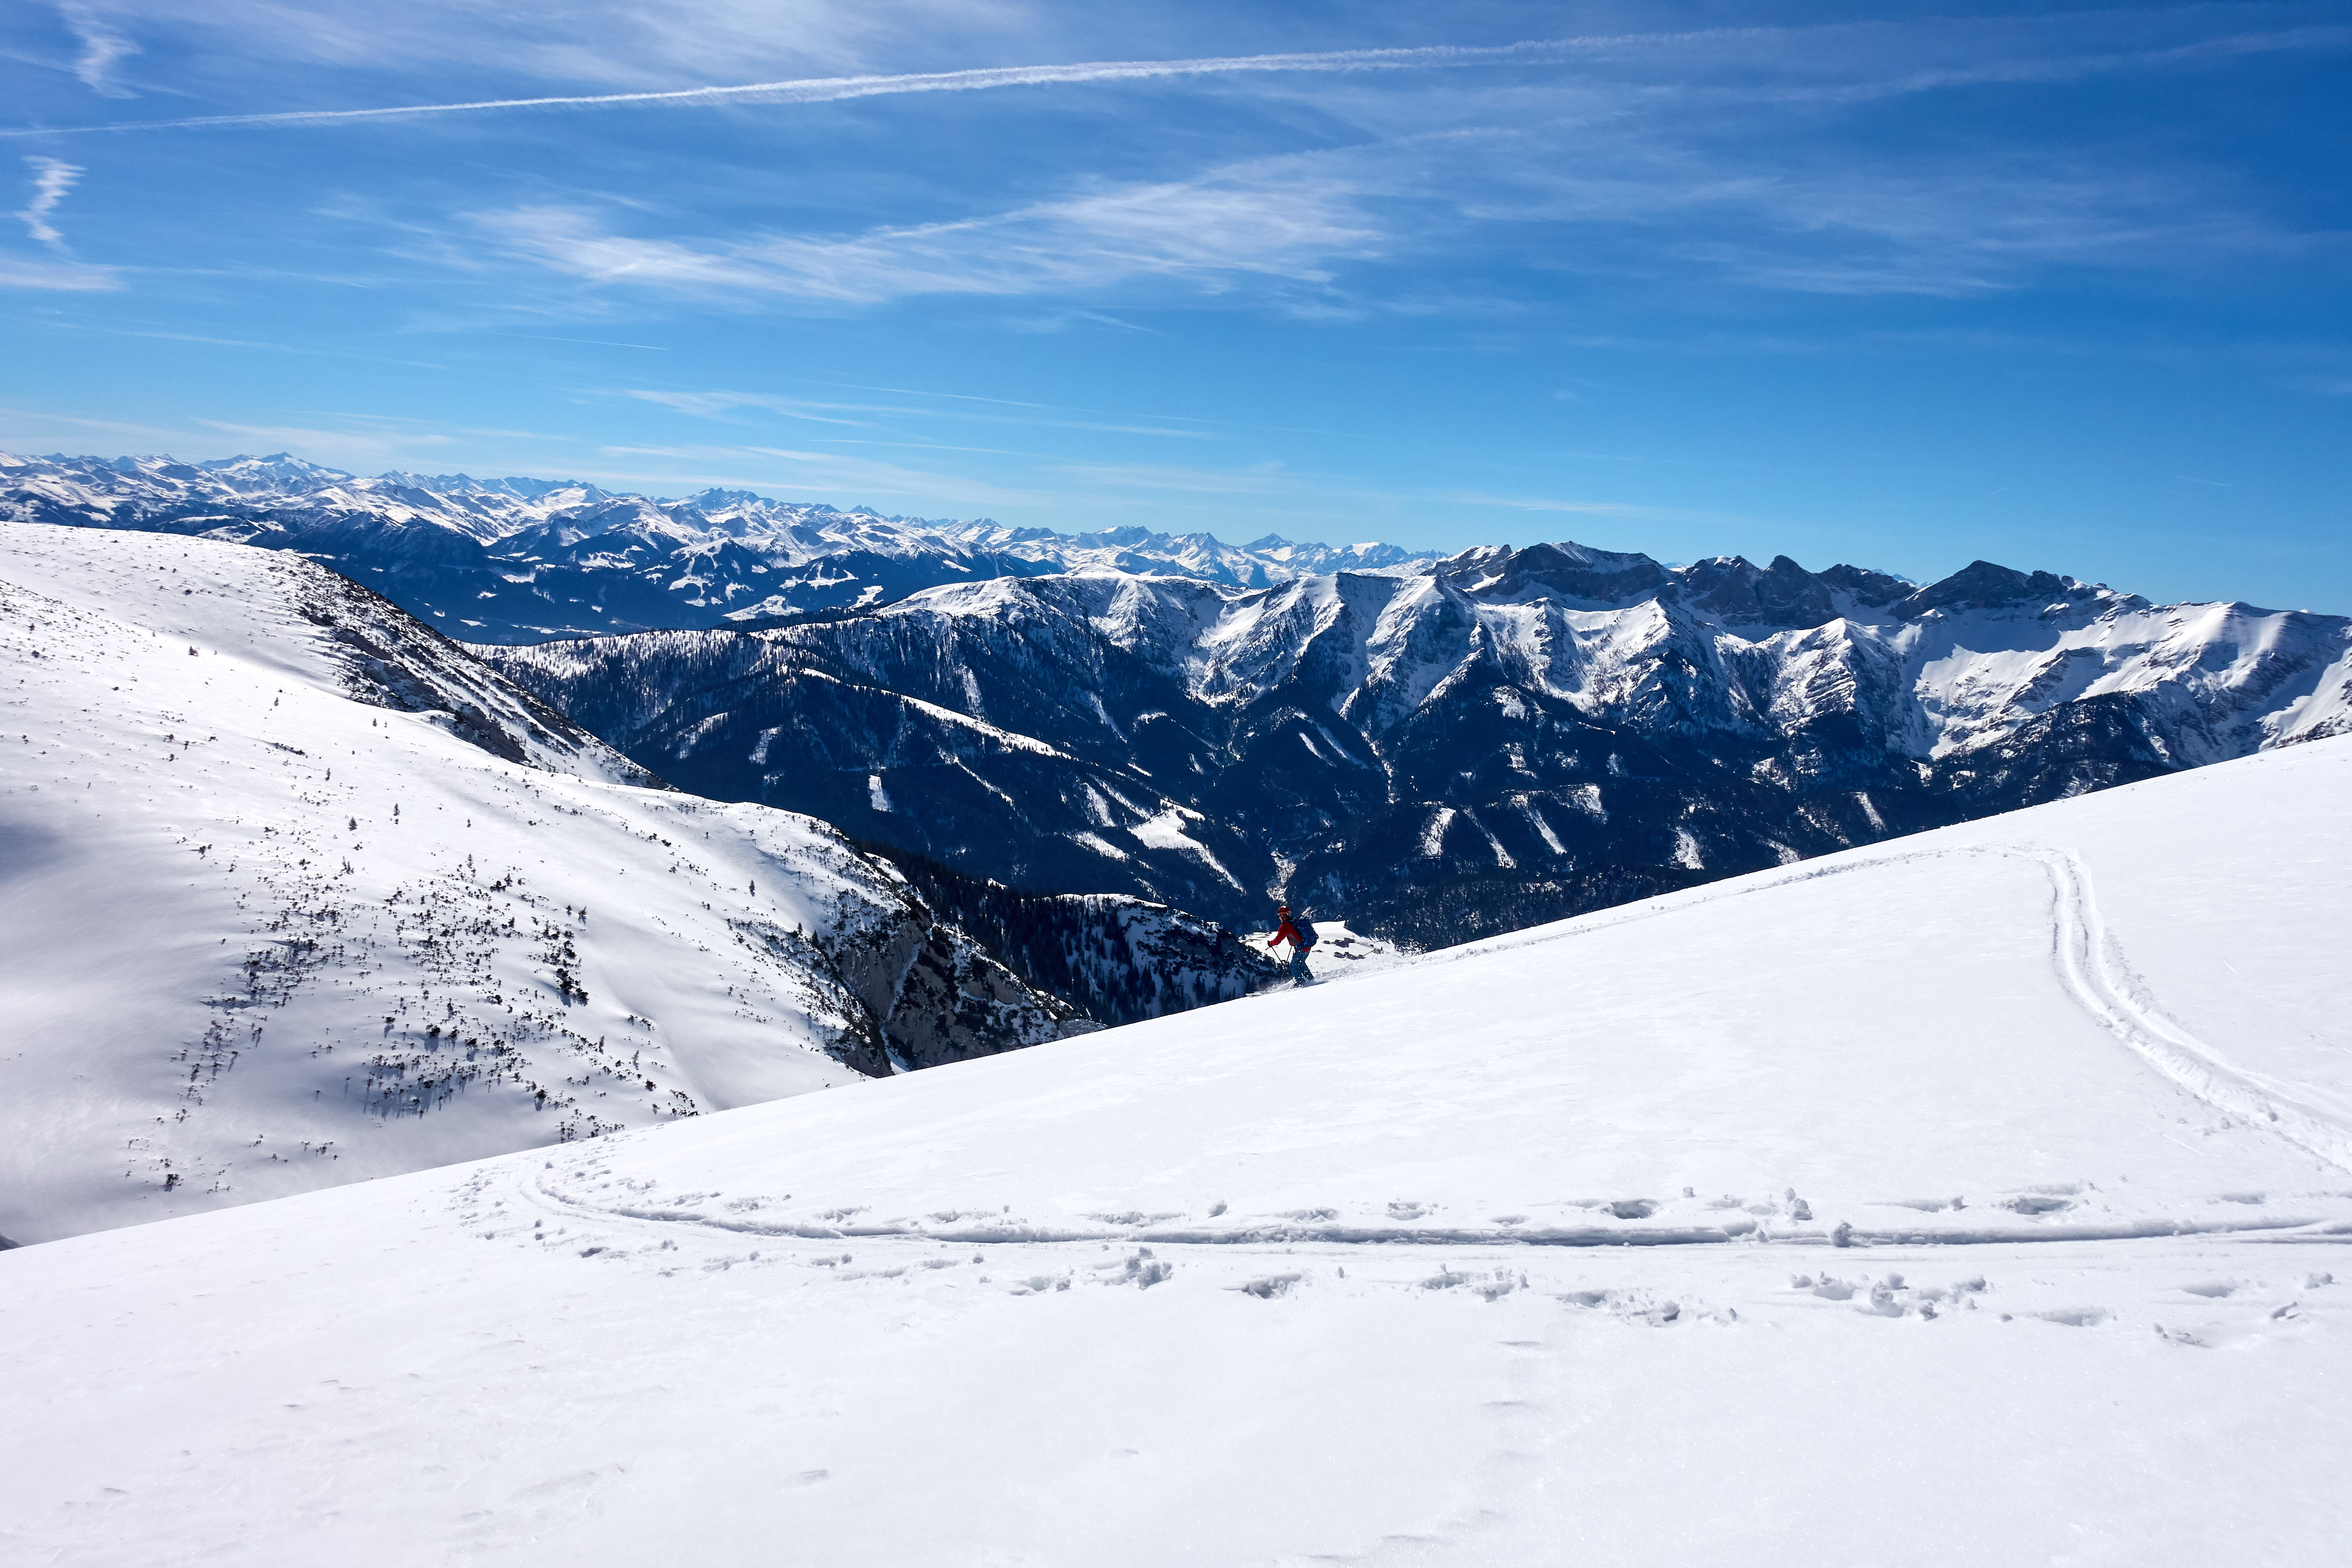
1300, 934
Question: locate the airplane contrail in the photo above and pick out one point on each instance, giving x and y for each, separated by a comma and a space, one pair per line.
828, 90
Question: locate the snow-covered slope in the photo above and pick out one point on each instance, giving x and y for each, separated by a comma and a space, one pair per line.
298, 893
1981, 1199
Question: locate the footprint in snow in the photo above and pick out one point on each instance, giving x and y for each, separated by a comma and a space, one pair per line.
2075, 1317
2035, 1206
1142, 1270
1494, 1288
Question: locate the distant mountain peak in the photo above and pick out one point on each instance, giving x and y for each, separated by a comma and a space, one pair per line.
1984, 585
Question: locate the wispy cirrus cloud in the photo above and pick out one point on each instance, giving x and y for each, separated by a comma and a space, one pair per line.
101, 45
1629, 199
1258, 479
835, 89
1629, 171
721, 404
30, 429
52, 178
1580, 508
624, 43
1803, 48
1609, 147
1206, 231
59, 277
1800, 220
833, 474
342, 445
58, 271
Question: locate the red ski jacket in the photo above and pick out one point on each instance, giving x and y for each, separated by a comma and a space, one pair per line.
1286, 931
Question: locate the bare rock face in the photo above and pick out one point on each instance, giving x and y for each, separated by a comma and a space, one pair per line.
926, 992
955, 1003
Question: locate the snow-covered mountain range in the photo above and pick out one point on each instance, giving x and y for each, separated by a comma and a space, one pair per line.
1432, 749
518, 560
298, 893
1452, 748
1985, 1198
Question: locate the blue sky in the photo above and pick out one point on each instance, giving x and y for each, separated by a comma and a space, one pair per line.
2061, 287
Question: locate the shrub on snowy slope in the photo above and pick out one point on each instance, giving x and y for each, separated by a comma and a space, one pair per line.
298, 893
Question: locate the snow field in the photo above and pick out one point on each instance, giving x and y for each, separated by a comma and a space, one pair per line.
483, 1367
260, 937
1919, 1203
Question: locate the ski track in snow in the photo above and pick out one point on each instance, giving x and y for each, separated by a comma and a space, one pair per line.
2089, 963
653, 1220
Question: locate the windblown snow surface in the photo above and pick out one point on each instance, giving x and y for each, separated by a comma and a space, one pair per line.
297, 893
1978, 1199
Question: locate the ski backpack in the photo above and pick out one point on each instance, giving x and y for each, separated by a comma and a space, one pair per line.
1305, 931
